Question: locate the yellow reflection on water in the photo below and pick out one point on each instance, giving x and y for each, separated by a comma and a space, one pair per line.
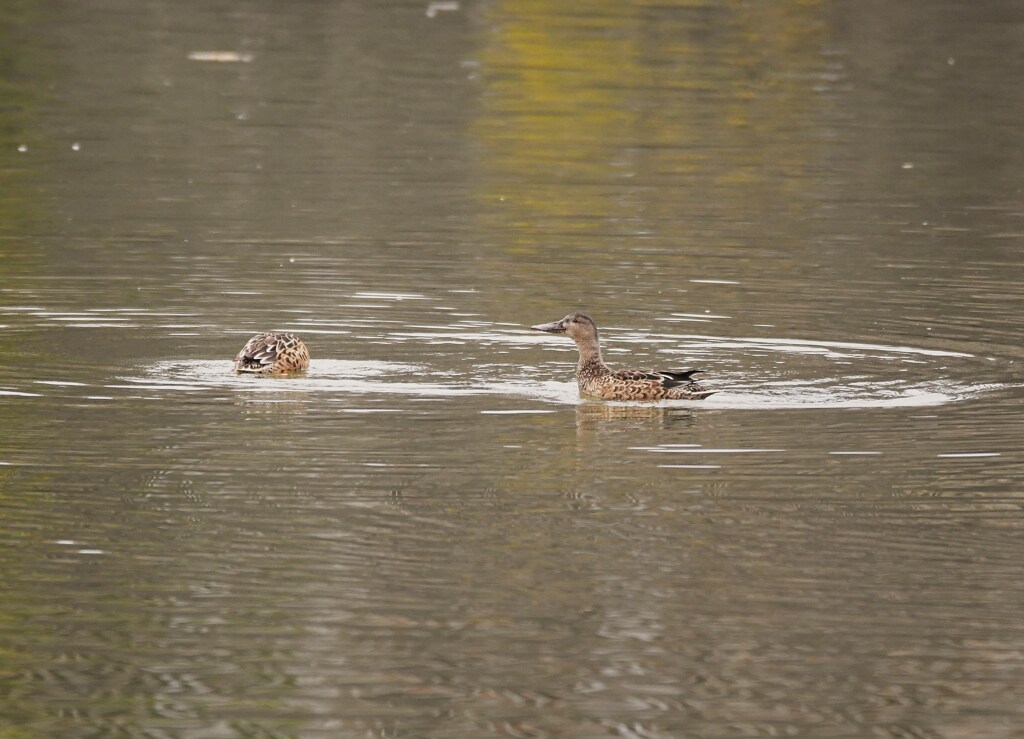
634, 110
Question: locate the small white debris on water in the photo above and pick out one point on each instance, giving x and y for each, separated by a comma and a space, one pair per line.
442, 6
76, 146
908, 165
22, 148
966, 455
224, 57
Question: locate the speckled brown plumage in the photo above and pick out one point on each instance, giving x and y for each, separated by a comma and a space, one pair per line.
597, 380
272, 354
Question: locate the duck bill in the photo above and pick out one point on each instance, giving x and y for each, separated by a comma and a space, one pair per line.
555, 327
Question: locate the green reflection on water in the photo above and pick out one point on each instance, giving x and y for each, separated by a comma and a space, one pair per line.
26, 72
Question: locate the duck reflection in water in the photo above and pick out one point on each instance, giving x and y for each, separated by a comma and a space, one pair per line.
593, 416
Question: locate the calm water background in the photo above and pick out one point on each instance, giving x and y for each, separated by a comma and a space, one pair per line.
430, 535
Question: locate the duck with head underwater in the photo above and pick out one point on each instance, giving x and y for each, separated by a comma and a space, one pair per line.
597, 380
273, 354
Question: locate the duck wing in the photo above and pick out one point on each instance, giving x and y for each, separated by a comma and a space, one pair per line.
665, 378
263, 350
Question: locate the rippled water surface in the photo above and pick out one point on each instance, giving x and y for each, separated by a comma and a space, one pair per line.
429, 533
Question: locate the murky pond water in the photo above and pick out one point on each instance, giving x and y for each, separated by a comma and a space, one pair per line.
430, 534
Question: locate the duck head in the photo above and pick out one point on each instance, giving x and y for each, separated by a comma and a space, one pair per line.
576, 326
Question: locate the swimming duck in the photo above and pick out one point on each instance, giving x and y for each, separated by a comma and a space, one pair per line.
272, 354
597, 380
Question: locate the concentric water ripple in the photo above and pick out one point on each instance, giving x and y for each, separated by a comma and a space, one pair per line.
748, 373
